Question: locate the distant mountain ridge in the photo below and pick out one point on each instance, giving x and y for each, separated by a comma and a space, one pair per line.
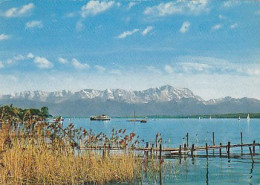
162, 94
165, 100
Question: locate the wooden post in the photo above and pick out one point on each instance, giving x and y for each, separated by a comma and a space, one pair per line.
220, 147
228, 149
213, 142
252, 158
160, 151
187, 137
161, 183
104, 150
207, 153
108, 149
180, 150
213, 138
192, 150
241, 139
146, 149
156, 141
152, 150
254, 147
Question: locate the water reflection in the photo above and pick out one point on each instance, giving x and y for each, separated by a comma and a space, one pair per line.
207, 173
251, 173
195, 170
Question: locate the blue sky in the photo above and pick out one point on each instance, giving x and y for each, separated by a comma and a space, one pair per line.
210, 47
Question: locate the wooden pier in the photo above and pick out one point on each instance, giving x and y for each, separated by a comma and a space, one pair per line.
186, 150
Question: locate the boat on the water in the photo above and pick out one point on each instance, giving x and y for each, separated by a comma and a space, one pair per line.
248, 117
137, 120
100, 118
238, 117
59, 119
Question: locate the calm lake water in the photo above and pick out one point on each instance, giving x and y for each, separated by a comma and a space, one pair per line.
200, 170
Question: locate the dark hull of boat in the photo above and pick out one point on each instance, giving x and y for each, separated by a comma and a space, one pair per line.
137, 120
99, 119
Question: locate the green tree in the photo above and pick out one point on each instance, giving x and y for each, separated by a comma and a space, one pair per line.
44, 112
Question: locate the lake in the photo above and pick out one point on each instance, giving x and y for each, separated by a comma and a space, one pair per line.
200, 170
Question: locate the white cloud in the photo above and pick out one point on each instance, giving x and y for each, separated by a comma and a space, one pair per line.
127, 33
222, 17
62, 60
1, 65
115, 72
253, 71
147, 30
233, 26
17, 12
4, 37
191, 67
178, 7
100, 69
95, 7
168, 69
118, 4
42, 62
79, 26
207, 85
154, 70
216, 27
131, 4
34, 24
185, 27
78, 65
19, 58
70, 14
30, 55
210, 65
230, 3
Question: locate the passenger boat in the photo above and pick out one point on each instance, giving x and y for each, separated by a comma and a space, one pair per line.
100, 118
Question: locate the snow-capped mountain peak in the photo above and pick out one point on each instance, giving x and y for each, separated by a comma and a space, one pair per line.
161, 94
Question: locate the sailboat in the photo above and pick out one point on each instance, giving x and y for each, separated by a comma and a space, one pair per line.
133, 120
248, 117
137, 120
238, 117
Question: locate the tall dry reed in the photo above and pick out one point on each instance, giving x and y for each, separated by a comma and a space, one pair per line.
33, 151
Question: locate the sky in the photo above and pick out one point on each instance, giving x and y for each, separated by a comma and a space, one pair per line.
210, 47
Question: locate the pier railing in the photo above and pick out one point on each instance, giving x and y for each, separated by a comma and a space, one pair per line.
228, 150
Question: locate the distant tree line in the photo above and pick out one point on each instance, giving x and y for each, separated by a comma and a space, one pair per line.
233, 115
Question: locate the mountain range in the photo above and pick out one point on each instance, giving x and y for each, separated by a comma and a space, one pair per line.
165, 100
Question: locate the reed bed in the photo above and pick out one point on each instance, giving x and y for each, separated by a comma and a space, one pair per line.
40, 165
33, 151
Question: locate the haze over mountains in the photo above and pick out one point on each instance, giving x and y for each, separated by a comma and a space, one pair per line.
165, 100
